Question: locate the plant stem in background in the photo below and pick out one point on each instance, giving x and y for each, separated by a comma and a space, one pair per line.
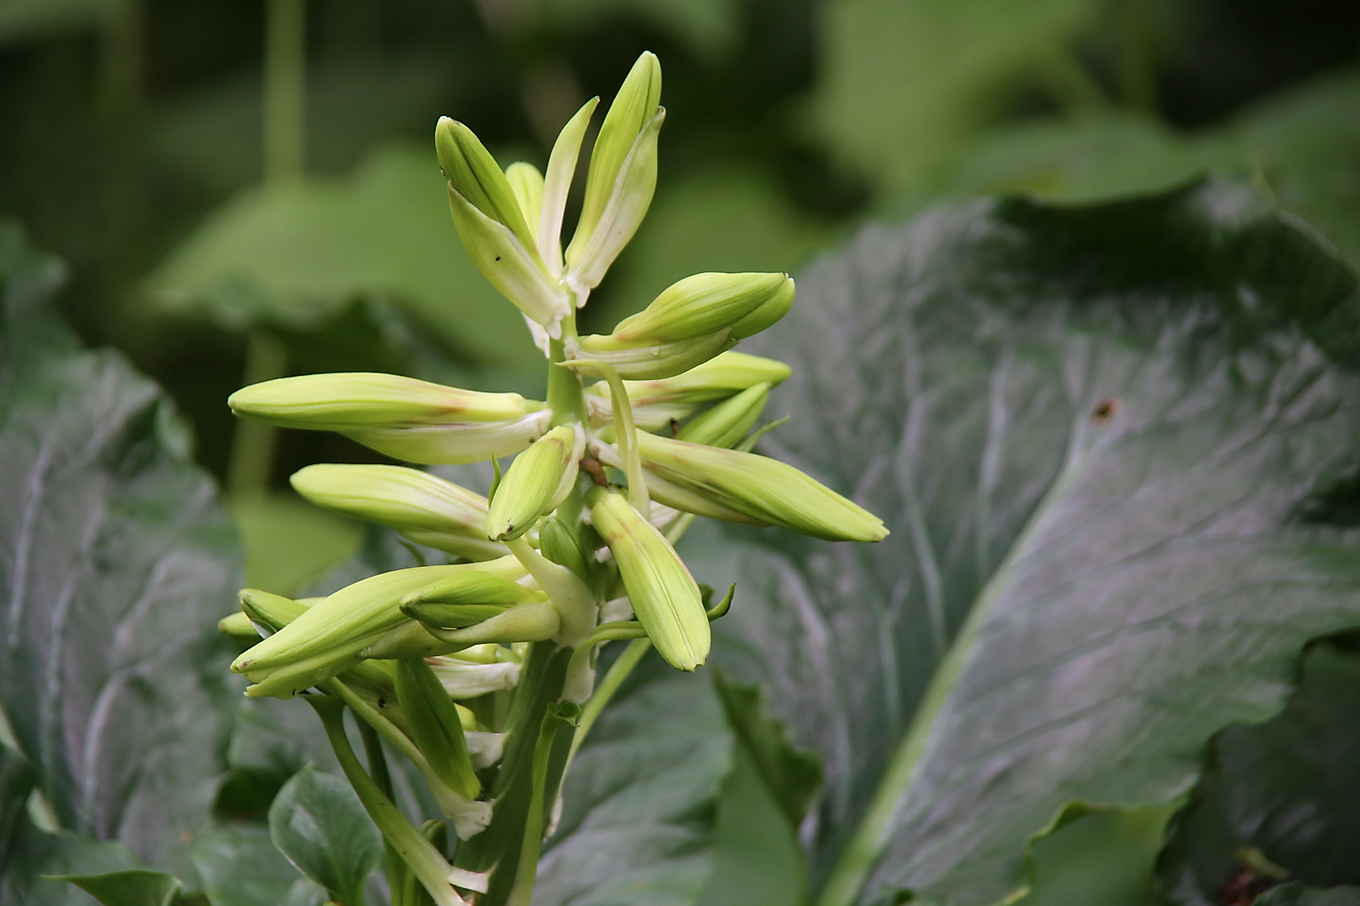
1137, 56
122, 78
252, 447
285, 74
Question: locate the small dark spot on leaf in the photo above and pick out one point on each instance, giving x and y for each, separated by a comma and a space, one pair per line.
593, 468
675, 428
498, 257
382, 703
1105, 409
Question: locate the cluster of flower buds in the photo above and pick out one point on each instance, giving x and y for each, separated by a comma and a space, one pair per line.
642, 429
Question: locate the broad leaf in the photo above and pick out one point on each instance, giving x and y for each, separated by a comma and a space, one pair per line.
638, 815
115, 562
1296, 894
293, 256
1286, 788
137, 887
319, 824
1095, 434
240, 867
792, 776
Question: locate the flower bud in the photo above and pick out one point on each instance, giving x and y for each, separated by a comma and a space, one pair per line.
535, 622
538, 480
622, 175
423, 507
331, 635
557, 185
704, 303
664, 595
238, 626
454, 443
560, 545
759, 487
434, 725
268, 611
467, 680
642, 361
656, 402
527, 184
513, 268
349, 401
729, 421
474, 174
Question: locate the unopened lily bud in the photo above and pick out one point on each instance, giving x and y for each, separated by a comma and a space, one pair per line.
527, 184
622, 175
434, 725
664, 595
762, 488
474, 174
560, 545
656, 402
467, 680
741, 303
423, 507
642, 362
454, 443
535, 622
513, 268
729, 421
557, 185
238, 626
268, 611
401, 416
452, 616
331, 635
538, 480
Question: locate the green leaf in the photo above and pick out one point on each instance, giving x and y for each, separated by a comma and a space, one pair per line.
793, 776
115, 563
293, 256
903, 86
1285, 788
1096, 434
240, 867
319, 824
139, 887
638, 816
1297, 894
26, 20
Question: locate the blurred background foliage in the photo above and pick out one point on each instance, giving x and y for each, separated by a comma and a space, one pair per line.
248, 189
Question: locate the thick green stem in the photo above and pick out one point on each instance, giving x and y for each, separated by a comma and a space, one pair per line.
252, 445
544, 786
285, 68
566, 396
608, 686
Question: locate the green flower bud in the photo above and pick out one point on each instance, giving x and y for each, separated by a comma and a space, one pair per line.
349, 401
331, 635
268, 611
557, 185
729, 421
538, 480
452, 616
474, 174
622, 175
527, 184
704, 303
434, 725
454, 443
645, 362
664, 595
423, 507
238, 626
560, 545
514, 269
535, 622
656, 402
758, 487
468, 680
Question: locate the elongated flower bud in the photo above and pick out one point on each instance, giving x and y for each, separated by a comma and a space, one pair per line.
527, 184
330, 636
535, 622
646, 362
664, 595
561, 545
434, 725
238, 626
425, 508
729, 421
538, 480
513, 268
622, 175
557, 185
462, 679
656, 402
356, 401
454, 443
269, 611
474, 174
762, 488
741, 303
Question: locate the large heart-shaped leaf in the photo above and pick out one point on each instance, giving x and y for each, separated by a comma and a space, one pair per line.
115, 560
1286, 788
1106, 441
639, 799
